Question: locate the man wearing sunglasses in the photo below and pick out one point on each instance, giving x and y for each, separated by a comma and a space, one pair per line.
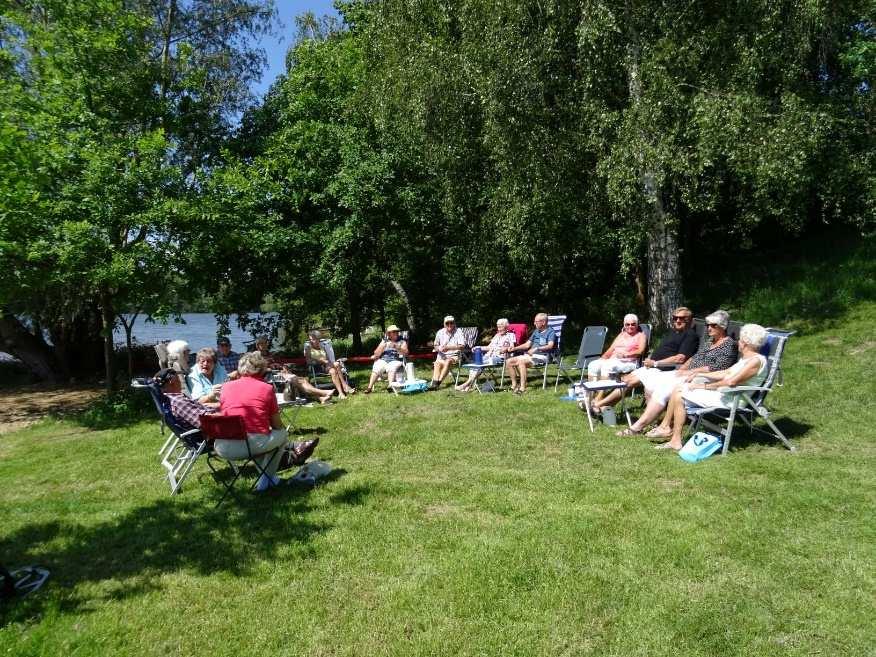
676, 348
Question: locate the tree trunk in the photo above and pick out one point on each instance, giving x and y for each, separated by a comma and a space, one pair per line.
129, 329
412, 323
664, 281
27, 348
355, 319
108, 317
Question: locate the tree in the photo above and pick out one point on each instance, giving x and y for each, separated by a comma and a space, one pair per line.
119, 104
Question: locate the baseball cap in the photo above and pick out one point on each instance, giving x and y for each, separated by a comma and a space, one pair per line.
164, 375
449, 318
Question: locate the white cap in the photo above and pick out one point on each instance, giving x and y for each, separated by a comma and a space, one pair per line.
449, 318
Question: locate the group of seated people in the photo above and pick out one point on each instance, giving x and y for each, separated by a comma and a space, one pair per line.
699, 371
244, 393
678, 374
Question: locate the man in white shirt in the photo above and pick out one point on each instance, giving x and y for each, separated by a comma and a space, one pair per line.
448, 343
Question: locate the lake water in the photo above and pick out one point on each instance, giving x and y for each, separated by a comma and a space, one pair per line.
199, 331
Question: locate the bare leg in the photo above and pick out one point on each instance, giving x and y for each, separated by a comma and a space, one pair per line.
472, 376
305, 388
372, 381
521, 368
338, 382
436, 369
678, 415
651, 413
511, 367
615, 396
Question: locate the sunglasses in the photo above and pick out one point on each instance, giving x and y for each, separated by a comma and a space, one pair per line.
712, 325
680, 318
630, 324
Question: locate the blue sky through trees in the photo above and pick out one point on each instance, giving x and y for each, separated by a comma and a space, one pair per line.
276, 46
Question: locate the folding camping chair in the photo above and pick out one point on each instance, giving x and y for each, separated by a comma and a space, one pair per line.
316, 371
748, 402
556, 323
231, 427
470, 335
182, 448
592, 345
21, 581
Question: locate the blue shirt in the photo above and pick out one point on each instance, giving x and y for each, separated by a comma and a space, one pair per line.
200, 385
389, 353
229, 362
541, 338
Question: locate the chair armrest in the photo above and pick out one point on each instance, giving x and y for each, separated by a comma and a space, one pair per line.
740, 389
190, 432
668, 368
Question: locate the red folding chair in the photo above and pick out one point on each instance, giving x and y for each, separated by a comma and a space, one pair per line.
231, 427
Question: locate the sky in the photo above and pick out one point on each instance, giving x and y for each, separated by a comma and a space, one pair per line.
275, 47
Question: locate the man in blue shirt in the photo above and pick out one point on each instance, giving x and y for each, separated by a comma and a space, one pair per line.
537, 350
227, 359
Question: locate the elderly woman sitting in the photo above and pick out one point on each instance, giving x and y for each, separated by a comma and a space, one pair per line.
178, 355
623, 354
206, 377
316, 355
704, 390
387, 357
621, 357
717, 353
494, 354
255, 401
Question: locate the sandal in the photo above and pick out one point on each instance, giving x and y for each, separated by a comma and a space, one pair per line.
667, 446
368, 390
629, 431
658, 432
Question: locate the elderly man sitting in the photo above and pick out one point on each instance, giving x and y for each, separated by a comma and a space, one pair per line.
675, 349
536, 350
188, 412
449, 341
226, 357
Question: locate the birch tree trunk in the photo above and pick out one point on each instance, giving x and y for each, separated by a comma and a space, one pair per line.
412, 322
664, 281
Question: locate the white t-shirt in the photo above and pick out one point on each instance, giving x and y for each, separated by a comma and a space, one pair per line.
444, 337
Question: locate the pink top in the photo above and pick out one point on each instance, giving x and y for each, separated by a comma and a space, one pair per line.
253, 400
625, 344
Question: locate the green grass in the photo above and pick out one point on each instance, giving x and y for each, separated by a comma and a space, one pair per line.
464, 525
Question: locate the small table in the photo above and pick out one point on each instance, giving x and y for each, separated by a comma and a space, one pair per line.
604, 386
295, 404
488, 368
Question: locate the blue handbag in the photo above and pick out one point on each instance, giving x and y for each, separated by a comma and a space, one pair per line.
700, 446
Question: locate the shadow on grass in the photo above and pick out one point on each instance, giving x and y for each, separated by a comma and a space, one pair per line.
130, 553
761, 435
308, 431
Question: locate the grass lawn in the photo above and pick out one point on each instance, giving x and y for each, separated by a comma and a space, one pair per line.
464, 525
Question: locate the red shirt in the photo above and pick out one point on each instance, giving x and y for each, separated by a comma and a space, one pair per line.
253, 400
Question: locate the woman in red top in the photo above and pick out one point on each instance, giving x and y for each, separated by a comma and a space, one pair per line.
255, 401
